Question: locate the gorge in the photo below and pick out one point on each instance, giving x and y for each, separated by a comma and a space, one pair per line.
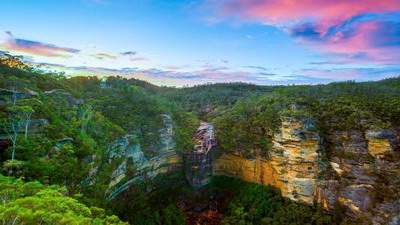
324, 154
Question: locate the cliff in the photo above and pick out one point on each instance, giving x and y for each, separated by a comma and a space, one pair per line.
353, 171
129, 164
292, 165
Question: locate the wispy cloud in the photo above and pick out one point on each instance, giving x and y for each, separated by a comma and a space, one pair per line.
103, 55
133, 56
355, 28
364, 38
129, 53
35, 47
360, 74
171, 77
260, 68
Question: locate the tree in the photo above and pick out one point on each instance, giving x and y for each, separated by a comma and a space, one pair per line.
11, 126
26, 113
26, 110
19, 117
85, 115
33, 203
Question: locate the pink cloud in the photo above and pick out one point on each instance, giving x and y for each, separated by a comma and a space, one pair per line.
35, 47
328, 12
369, 41
351, 27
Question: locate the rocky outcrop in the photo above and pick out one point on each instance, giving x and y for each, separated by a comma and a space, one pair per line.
366, 175
292, 166
381, 142
359, 171
295, 155
167, 141
130, 165
8, 96
64, 95
251, 170
198, 163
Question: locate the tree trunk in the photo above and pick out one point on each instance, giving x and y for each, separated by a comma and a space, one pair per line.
13, 152
27, 123
14, 139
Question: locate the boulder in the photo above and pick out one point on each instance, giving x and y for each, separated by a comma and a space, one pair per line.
381, 142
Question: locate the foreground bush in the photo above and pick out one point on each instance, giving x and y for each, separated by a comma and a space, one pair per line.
32, 203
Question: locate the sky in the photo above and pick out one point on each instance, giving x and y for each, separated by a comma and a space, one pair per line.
190, 42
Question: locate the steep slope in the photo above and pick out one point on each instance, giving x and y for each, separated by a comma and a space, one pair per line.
134, 148
338, 147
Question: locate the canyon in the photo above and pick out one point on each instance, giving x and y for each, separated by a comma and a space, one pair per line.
150, 154
360, 177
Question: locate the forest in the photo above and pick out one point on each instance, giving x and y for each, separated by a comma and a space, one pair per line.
53, 127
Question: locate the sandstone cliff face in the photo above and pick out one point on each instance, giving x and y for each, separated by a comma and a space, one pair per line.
359, 173
292, 166
129, 163
366, 175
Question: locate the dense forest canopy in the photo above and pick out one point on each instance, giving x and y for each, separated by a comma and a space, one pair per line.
53, 126
332, 107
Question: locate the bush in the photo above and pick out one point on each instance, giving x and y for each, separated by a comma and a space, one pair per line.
264, 205
33, 203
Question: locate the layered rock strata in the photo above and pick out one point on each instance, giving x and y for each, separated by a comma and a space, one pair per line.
292, 166
358, 173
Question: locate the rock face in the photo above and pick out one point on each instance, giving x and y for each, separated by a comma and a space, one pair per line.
136, 167
359, 173
130, 165
365, 180
292, 166
381, 142
166, 134
198, 163
9, 96
64, 95
294, 155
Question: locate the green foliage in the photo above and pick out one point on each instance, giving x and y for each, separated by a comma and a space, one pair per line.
88, 114
248, 126
254, 204
70, 120
33, 203
173, 215
209, 100
154, 202
186, 125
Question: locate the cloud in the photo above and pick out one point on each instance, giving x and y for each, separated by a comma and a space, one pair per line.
342, 74
172, 77
133, 56
35, 48
367, 28
129, 53
373, 38
133, 59
304, 79
278, 12
268, 74
260, 68
103, 55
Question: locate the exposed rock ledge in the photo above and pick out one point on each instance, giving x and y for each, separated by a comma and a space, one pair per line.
362, 174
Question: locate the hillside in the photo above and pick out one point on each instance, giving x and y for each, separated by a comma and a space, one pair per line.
309, 154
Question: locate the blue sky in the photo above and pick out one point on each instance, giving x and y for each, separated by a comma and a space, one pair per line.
192, 42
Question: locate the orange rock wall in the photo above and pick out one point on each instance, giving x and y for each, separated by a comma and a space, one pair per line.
251, 170
292, 166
